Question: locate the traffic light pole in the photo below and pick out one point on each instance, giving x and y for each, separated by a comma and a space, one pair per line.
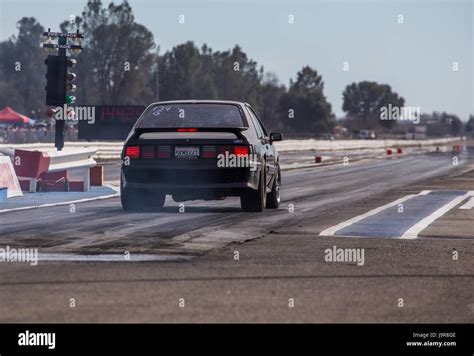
58, 78
60, 124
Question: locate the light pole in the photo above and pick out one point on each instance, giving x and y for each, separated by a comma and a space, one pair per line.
58, 78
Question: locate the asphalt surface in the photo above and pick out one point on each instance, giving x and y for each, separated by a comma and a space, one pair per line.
246, 267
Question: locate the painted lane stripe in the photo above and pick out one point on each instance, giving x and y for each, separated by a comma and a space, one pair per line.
470, 203
412, 233
394, 222
65, 257
332, 230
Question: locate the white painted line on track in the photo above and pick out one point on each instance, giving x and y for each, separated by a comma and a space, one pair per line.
333, 229
412, 233
470, 203
108, 196
65, 257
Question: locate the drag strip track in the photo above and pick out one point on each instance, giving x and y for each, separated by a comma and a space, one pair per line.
102, 227
190, 256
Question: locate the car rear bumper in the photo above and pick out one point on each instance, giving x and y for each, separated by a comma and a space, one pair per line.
175, 176
170, 188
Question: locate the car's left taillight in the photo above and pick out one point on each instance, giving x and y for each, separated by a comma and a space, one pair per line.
132, 152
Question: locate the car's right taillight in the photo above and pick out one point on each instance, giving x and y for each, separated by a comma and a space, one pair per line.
132, 152
241, 151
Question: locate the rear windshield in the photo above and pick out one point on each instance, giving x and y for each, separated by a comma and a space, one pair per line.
192, 115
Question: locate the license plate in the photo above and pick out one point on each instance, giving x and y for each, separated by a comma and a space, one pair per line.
186, 152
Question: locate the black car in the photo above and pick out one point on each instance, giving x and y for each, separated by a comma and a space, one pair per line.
200, 149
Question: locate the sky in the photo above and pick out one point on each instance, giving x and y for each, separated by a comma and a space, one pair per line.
414, 57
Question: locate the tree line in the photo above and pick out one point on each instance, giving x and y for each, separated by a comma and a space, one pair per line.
121, 65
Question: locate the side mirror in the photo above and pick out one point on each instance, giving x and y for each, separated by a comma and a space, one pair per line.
276, 136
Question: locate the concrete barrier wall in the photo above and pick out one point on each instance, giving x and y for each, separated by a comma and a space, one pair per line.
341, 145
112, 150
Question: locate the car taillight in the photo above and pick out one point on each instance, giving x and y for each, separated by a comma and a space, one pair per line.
209, 151
240, 151
148, 152
187, 129
132, 152
164, 151
236, 150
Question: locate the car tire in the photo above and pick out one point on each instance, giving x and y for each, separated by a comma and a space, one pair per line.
273, 198
255, 200
130, 199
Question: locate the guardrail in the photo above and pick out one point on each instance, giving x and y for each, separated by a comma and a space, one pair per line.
34, 162
341, 145
112, 150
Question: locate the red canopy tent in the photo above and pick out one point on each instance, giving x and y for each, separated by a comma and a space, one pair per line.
10, 116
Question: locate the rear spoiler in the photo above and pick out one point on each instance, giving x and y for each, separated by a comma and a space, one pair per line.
235, 130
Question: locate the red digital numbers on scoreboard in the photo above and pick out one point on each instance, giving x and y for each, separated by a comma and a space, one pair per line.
107, 113
123, 114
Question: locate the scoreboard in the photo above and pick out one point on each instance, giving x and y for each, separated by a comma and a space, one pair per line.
112, 122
